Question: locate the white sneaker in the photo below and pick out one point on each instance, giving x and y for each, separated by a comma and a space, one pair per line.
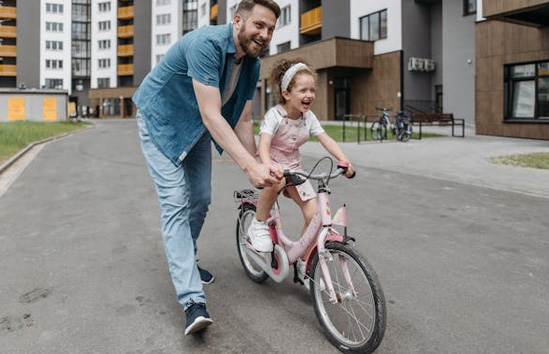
260, 237
301, 269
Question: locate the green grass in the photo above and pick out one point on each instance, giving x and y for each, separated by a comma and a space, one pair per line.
336, 132
15, 136
535, 160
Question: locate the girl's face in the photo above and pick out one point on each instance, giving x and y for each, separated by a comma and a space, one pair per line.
301, 96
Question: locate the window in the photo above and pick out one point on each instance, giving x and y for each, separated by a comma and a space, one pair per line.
163, 39
54, 8
284, 47
159, 57
285, 16
374, 26
54, 27
54, 45
190, 15
104, 63
526, 91
104, 25
54, 64
103, 82
469, 7
202, 10
164, 19
163, 2
104, 6
54, 84
105, 44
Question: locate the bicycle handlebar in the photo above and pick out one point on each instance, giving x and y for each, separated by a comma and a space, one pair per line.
319, 177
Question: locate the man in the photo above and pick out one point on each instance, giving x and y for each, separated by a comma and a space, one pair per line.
202, 90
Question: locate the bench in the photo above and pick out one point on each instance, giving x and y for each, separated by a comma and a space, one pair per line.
441, 119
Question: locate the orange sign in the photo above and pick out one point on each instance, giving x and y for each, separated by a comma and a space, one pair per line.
16, 108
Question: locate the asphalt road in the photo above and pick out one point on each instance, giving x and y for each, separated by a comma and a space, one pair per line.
464, 268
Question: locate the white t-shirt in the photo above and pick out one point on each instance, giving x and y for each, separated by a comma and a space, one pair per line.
275, 115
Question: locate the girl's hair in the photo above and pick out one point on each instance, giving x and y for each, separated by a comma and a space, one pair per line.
245, 6
278, 71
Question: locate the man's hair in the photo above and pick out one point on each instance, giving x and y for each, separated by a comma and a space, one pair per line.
246, 6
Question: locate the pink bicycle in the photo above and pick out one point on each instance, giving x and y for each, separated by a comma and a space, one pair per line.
347, 296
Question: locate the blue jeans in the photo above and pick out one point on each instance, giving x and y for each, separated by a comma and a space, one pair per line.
185, 194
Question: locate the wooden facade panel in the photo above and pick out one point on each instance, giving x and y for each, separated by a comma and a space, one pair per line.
498, 7
520, 44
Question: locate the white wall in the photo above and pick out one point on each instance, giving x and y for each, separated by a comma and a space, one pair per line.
65, 37
174, 28
203, 18
289, 32
360, 8
96, 36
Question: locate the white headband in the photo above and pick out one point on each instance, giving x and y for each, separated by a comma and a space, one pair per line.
290, 73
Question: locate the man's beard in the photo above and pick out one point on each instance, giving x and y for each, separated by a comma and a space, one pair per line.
246, 41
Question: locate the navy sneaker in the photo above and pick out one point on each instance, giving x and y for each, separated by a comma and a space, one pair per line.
205, 276
197, 317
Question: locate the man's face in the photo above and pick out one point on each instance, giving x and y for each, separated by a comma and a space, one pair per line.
256, 31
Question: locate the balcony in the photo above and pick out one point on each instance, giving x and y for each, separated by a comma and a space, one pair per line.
8, 12
8, 70
8, 51
533, 13
311, 22
125, 50
125, 13
8, 32
125, 31
213, 13
125, 69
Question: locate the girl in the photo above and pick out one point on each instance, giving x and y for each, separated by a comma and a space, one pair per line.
285, 128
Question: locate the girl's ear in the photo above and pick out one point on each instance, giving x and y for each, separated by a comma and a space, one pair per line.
286, 95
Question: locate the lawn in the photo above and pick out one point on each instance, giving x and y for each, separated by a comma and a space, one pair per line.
336, 132
15, 136
535, 160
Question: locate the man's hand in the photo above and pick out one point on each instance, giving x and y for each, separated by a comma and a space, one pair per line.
350, 171
261, 175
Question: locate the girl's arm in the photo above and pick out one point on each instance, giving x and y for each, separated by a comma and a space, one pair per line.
335, 150
264, 147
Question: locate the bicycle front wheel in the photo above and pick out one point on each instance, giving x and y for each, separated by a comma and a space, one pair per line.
253, 270
378, 131
356, 322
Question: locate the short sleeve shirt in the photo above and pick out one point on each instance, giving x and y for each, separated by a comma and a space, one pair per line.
277, 114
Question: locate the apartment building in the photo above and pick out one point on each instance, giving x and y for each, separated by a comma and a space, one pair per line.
512, 73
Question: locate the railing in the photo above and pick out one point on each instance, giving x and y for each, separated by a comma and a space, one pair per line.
311, 21
422, 106
125, 12
125, 31
8, 51
8, 31
8, 70
125, 69
213, 12
125, 50
8, 12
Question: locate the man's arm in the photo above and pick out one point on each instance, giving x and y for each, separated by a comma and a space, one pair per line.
209, 103
245, 129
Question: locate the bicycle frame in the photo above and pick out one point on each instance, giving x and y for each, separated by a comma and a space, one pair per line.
319, 229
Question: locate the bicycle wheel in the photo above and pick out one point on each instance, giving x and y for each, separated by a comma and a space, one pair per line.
245, 217
356, 323
378, 131
405, 132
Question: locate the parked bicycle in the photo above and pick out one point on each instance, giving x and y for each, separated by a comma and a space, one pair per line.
347, 296
402, 129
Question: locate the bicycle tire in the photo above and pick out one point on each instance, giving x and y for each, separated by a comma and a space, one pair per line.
245, 216
378, 131
355, 324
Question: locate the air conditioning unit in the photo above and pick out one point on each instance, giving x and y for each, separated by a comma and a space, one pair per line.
429, 65
415, 64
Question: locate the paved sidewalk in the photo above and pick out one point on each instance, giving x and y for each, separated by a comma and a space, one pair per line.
463, 160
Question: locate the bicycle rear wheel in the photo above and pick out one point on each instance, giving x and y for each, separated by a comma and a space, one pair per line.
356, 323
253, 270
378, 131
405, 132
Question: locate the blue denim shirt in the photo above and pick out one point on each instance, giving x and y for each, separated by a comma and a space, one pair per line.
166, 98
